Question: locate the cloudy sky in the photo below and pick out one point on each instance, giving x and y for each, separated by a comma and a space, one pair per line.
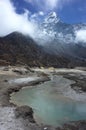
21, 15
70, 11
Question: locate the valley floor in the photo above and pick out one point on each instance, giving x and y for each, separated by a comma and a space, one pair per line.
12, 79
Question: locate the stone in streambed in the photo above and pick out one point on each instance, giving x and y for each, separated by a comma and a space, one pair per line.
25, 112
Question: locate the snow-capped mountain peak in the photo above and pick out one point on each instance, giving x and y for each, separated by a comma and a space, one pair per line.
52, 18
53, 29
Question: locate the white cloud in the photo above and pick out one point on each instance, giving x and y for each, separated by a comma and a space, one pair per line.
11, 21
36, 15
81, 36
47, 5
51, 4
41, 13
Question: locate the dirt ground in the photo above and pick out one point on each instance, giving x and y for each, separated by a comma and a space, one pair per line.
12, 79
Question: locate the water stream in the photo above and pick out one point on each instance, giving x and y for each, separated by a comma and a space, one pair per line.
50, 106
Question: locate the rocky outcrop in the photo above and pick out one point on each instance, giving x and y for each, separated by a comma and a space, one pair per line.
25, 112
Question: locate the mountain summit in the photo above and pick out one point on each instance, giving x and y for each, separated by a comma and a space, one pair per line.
52, 18
53, 29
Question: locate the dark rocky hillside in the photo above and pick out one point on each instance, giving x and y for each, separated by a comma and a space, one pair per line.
16, 48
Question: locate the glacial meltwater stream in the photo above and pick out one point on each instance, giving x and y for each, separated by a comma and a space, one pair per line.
49, 103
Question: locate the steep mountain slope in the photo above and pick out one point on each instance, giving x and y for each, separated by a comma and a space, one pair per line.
19, 49
68, 50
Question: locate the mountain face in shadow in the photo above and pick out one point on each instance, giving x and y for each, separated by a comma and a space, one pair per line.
17, 48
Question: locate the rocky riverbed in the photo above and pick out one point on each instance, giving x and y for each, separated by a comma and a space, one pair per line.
12, 79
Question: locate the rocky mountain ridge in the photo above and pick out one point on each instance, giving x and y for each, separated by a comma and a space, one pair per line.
17, 48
